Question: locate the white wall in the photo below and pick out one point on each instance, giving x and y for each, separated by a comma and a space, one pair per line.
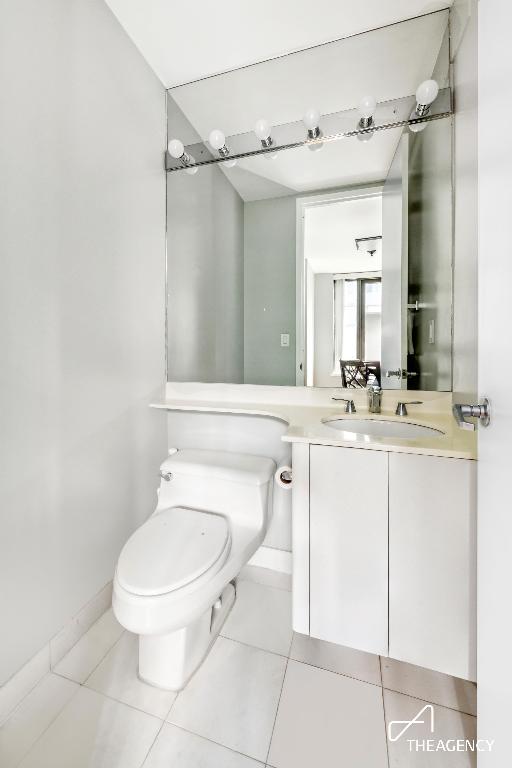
466, 207
82, 223
205, 244
269, 291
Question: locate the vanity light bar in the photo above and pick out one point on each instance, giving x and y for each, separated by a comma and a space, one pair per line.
363, 122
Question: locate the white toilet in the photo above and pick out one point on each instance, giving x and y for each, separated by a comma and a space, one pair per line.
172, 584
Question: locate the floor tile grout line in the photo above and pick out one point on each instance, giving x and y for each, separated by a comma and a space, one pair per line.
256, 647
165, 720
277, 711
300, 661
333, 672
52, 669
123, 633
172, 705
32, 746
82, 637
212, 741
123, 703
152, 744
25, 696
282, 656
385, 726
114, 644
427, 701
265, 650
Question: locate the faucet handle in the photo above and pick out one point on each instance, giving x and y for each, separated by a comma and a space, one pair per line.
401, 407
350, 405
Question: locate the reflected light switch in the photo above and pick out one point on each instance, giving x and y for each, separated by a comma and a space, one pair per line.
285, 339
432, 332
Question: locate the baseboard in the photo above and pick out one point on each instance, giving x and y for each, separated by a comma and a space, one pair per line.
274, 559
25, 679
76, 627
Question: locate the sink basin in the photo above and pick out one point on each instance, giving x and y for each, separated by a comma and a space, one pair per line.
382, 428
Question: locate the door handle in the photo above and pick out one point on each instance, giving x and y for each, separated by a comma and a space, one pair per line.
400, 373
481, 412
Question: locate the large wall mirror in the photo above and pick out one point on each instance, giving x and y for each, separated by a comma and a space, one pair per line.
310, 236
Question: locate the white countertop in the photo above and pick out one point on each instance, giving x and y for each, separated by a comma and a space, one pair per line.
305, 424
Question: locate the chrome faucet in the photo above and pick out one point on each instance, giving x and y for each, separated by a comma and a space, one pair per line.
401, 406
350, 405
374, 397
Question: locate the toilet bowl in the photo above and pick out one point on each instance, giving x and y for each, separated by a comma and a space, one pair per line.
173, 581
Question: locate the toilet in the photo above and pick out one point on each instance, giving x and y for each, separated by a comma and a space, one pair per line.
173, 584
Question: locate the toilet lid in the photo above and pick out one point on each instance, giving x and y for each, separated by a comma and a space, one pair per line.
171, 549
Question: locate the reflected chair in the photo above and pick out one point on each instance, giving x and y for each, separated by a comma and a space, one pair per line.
356, 373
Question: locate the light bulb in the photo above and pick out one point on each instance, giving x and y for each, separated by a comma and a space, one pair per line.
427, 92
194, 169
229, 163
311, 118
176, 148
263, 129
416, 127
217, 139
367, 106
316, 147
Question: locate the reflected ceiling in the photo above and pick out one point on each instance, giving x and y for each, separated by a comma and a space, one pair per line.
388, 63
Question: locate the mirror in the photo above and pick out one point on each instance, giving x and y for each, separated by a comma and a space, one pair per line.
306, 254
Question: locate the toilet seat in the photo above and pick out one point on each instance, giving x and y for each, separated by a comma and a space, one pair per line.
172, 549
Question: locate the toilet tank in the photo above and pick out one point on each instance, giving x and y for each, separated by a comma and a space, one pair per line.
237, 485
241, 433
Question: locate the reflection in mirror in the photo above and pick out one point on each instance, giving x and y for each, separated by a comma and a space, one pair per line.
298, 254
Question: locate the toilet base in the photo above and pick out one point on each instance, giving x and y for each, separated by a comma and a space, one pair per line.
169, 661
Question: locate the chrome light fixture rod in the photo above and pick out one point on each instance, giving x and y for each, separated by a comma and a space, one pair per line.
394, 114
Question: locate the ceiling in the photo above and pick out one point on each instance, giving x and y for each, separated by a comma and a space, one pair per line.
389, 63
330, 232
184, 43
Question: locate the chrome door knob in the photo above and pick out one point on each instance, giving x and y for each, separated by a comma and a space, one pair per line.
401, 374
482, 411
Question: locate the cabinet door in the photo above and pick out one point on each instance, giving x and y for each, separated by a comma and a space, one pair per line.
432, 563
349, 547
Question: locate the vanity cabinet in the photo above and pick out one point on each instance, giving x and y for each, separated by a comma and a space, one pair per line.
384, 549
432, 562
349, 547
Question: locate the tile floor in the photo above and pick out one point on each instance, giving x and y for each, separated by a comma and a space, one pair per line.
264, 697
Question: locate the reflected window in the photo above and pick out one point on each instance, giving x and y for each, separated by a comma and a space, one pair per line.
357, 319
